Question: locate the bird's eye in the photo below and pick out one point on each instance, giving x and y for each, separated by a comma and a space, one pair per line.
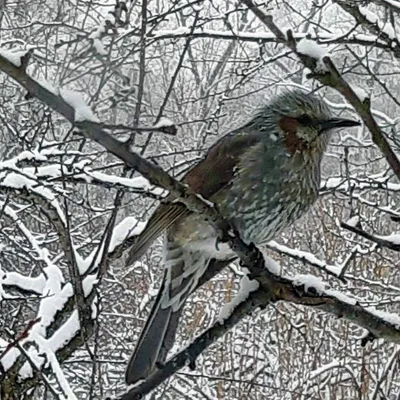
305, 120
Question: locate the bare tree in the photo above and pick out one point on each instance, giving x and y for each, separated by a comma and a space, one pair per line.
103, 106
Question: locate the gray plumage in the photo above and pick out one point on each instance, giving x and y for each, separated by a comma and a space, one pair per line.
262, 177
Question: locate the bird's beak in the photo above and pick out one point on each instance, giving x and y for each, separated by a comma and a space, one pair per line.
335, 123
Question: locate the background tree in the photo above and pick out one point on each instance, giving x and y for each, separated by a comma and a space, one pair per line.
71, 311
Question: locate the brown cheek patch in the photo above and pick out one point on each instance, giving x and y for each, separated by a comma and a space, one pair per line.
293, 143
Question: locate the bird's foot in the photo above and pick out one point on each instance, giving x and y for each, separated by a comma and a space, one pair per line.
255, 253
226, 233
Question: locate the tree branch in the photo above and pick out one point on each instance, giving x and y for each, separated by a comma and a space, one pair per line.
383, 242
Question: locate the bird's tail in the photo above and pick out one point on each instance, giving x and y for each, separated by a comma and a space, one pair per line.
160, 325
182, 272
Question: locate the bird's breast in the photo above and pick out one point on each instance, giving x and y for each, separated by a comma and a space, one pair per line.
261, 200
261, 203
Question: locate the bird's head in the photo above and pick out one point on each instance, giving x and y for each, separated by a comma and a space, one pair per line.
303, 120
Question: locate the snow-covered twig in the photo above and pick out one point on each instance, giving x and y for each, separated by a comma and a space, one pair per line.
391, 242
164, 126
384, 30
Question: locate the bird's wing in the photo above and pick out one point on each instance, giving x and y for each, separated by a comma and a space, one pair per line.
163, 217
207, 177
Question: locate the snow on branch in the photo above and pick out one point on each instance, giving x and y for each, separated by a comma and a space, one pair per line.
391, 242
246, 286
313, 50
264, 37
309, 258
81, 110
372, 18
14, 56
384, 30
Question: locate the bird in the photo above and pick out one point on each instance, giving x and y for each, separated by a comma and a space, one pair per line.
261, 177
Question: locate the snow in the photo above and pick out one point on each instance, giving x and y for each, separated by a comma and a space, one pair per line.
55, 296
310, 281
24, 180
393, 3
391, 318
88, 283
246, 286
128, 227
97, 34
26, 370
99, 46
83, 264
340, 183
48, 171
270, 263
142, 183
33, 284
163, 122
312, 49
324, 368
353, 221
82, 111
373, 18
305, 256
65, 333
17, 181
28, 155
47, 346
48, 86
175, 32
13, 56
51, 360
341, 296
10, 358
138, 183
211, 205
393, 238
61, 337
360, 92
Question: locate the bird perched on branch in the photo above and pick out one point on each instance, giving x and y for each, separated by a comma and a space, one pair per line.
262, 177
